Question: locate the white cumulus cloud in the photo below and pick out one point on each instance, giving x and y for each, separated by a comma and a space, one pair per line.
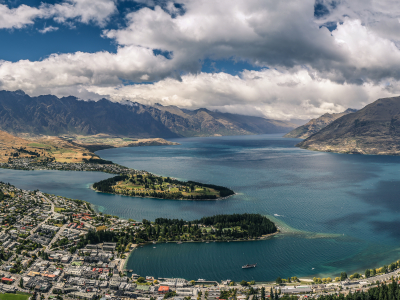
276, 94
19, 17
84, 11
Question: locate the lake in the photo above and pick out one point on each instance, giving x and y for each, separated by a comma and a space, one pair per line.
339, 212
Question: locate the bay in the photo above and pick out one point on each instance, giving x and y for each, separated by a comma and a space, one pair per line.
339, 212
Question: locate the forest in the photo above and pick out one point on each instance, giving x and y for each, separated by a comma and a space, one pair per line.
219, 227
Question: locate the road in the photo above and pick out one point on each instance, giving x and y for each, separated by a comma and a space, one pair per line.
52, 212
55, 238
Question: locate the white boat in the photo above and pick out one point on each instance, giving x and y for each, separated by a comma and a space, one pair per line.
249, 266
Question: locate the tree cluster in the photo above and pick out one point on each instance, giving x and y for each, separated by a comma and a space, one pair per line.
255, 225
381, 292
106, 185
225, 227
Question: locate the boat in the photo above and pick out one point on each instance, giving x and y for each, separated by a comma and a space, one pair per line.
249, 266
179, 242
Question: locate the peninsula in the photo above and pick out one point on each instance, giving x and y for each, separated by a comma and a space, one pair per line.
144, 184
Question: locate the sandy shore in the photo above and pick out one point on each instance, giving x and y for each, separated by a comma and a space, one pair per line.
124, 261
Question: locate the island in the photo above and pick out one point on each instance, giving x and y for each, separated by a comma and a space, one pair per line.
145, 184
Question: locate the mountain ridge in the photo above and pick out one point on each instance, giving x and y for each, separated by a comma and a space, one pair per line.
50, 115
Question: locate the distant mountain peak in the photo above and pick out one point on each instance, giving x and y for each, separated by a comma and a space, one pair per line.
20, 92
350, 110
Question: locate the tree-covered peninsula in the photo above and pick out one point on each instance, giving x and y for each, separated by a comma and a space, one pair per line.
149, 185
215, 228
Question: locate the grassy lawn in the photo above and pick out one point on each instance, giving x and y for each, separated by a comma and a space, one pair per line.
39, 145
138, 184
58, 209
101, 228
17, 296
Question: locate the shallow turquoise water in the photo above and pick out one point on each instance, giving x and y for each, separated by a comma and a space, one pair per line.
353, 201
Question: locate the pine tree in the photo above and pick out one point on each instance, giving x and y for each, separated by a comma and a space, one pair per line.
263, 293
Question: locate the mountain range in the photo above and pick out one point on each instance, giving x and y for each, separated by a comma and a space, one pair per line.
375, 129
50, 115
315, 125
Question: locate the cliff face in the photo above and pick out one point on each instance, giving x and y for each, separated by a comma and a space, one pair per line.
315, 125
50, 115
375, 129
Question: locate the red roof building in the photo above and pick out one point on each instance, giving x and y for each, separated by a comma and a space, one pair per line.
163, 289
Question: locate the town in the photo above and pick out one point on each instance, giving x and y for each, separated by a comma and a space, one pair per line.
55, 247
98, 165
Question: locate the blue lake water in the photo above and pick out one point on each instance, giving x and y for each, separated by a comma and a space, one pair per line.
344, 208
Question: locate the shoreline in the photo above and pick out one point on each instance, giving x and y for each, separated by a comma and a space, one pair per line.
264, 237
124, 261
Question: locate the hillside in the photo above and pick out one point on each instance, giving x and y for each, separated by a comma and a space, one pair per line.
44, 148
50, 115
315, 125
375, 129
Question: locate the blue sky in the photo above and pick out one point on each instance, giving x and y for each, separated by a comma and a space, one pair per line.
282, 60
86, 38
